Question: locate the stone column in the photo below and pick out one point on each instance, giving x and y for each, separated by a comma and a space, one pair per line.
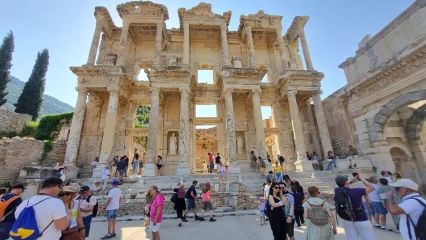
250, 47
223, 33
302, 164
158, 41
230, 132
95, 43
123, 43
305, 49
322, 124
313, 129
75, 133
258, 122
186, 43
183, 166
149, 169
281, 46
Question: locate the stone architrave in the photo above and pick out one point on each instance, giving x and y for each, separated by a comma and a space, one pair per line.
183, 166
123, 43
149, 169
306, 53
258, 122
322, 124
302, 163
158, 42
223, 33
95, 43
250, 47
230, 132
185, 43
281, 46
75, 133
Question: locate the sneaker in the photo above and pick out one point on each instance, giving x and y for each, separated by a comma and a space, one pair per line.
201, 219
184, 220
377, 226
197, 218
387, 230
212, 220
106, 237
113, 235
180, 225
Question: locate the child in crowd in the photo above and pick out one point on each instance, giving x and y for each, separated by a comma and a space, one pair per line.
226, 172
262, 208
207, 204
220, 171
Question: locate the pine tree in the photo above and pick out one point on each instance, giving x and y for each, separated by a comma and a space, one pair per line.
32, 96
6, 50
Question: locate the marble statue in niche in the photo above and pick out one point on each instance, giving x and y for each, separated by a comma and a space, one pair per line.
240, 145
173, 145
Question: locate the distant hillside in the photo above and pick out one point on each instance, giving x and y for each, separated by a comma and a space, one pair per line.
50, 104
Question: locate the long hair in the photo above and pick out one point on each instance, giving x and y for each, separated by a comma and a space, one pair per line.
206, 188
271, 190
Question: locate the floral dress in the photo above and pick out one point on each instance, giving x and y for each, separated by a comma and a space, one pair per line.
314, 232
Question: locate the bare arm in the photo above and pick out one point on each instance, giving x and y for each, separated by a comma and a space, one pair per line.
391, 206
306, 214
368, 186
292, 209
108, 201
331, 216
273, 204
62, 223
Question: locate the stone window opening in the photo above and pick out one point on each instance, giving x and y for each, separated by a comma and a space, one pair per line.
142, 116
265, 78
143, 74
205, 74
206, 110
268, 121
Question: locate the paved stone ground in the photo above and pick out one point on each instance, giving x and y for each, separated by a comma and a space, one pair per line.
233, 227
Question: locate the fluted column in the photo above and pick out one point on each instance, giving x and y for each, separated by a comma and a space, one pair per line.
250, 47
223, 33
95, 43
258, 122
75, 132
305, 49
230, 132
322, 124
123, 43
301, 163
151, 151
281, 46
183, 167
109, 129
185, 43
158, 42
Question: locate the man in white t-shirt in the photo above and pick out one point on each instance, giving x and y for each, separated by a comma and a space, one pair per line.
410, 206
106, 175
50, 212
88, 202
112, 205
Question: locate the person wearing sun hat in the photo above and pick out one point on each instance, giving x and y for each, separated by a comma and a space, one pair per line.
412, 205
76, 229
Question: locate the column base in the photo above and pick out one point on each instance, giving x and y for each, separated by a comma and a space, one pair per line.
303, 166
149, 170
99, 169
72, 171
290, 167
183, 169
234, 167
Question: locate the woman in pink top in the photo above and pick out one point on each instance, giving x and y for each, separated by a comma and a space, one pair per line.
207, 204
155, 212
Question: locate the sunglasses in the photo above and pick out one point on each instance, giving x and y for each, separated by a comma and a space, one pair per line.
276, 187
64, 194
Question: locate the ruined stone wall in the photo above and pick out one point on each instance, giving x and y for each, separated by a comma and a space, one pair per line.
12, 122
16, 153
338, 125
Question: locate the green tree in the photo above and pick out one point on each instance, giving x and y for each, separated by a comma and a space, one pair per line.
32, 96
6, 51
142, 117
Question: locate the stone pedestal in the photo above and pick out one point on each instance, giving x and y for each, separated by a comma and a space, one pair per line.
183, 169
99, 169
149, 170
72, 171
302, 166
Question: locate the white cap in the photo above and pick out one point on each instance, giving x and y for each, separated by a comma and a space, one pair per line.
403, 182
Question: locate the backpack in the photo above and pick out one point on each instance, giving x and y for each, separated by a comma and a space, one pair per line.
95, 208
4, 205
217, 159
318, 215
420, 229
344, 207
25, 226
267, 207
173, 199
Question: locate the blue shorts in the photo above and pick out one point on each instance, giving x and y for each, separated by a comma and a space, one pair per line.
121, 171
262, 213
112, 214
379, 208
191, 204
367, 208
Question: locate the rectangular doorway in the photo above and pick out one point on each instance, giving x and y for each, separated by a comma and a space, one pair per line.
205, 141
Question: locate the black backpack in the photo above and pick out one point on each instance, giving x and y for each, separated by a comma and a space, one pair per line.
344, 206
95, 208
420, 229
217, 159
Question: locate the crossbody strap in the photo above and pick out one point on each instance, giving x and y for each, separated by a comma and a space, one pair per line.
411, 220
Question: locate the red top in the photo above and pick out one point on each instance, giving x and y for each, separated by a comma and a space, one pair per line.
211, 158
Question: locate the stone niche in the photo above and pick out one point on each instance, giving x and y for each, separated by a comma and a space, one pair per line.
241, 145
172, 143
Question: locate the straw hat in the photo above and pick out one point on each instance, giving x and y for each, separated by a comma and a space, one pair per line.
69, 189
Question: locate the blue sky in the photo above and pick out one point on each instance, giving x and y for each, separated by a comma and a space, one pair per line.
66, 28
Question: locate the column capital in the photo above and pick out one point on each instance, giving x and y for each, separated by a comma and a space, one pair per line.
186, 26
155, 90
228, 92
292, 92
113, 91
184, 91
316, 93
82, 90
247, 28
223, 27
256, 91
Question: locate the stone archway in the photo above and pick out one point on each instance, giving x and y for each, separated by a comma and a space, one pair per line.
403, 163
415, 124
379, 121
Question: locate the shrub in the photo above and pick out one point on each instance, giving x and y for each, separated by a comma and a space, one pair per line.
50, 125
29, 129
47, 147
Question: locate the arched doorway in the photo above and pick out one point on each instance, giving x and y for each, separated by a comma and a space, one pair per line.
403, 163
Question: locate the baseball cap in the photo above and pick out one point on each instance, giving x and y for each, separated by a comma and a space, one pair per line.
17, 186
207, 183
115, 182
403, 182
341, 180
83, 189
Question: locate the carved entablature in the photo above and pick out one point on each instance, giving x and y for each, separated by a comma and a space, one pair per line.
170, 75
300, 80
102, 12
260, 21
143, 9
242, 76
393, 73
296, 27
100, 77
202, 13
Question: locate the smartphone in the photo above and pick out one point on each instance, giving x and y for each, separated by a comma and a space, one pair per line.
355, 174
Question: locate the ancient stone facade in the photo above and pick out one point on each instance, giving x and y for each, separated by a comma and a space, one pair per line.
17, 153
384, 102
12, 122
109, 89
